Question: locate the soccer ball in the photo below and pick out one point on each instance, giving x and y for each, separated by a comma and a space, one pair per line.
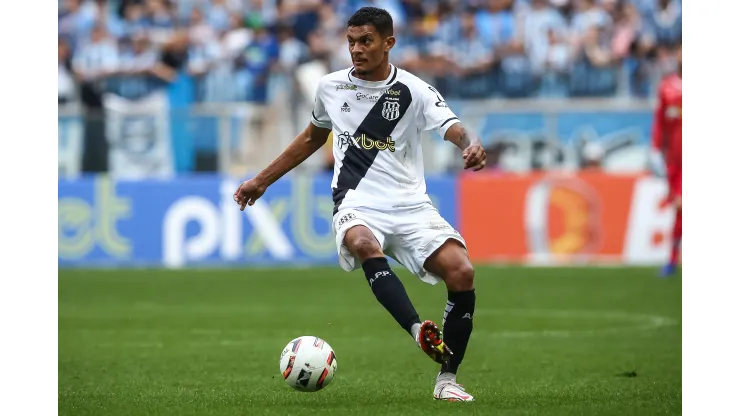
308, 363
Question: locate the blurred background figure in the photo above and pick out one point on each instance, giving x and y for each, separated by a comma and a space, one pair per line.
667, 150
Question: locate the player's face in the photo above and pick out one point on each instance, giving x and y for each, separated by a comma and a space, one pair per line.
367, 47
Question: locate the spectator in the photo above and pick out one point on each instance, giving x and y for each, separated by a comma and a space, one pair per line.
237, 35
134, 17
93, 64
160, 18
137, 76
588, 15
292, 53
594, 49
74, 21
302, 15
267, 10
593, 73
420, 52
258, 59
448, 22
159, 14
627, 27
665, 23
65, 81
470, 60
331, 34
218, 15
556, 67
199, 30
212, 66
543, 28
496, 25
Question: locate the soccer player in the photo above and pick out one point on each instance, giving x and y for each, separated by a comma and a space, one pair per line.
666, 152
377, 112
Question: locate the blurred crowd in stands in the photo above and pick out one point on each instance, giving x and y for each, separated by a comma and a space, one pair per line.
244, 50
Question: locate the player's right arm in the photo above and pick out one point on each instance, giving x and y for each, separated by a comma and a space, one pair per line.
657, 161
304, 145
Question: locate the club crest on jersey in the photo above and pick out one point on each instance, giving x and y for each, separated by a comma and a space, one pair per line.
391, 110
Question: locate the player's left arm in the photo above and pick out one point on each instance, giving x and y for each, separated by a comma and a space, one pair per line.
472, 150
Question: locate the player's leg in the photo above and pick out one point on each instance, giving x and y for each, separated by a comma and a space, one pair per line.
431, 249
365, 247
674, 183
670, 268
451, 262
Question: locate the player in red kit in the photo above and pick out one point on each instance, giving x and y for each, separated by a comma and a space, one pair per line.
666, 152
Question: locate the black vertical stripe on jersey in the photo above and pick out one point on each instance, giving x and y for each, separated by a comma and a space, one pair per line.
357, 161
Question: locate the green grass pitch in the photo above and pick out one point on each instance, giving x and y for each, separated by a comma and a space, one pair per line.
560, 341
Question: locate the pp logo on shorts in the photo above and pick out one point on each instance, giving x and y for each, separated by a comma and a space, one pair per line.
345, 219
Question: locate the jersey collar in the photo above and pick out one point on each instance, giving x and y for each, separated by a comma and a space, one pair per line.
374, 84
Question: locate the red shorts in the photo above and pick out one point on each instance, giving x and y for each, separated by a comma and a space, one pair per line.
674, 182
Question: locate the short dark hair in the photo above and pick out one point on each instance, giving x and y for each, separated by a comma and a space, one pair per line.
379, 18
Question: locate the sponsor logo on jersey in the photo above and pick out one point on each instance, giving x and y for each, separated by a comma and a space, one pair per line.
389, 93
346, 87
369, 143
363, 96
344, 140
346, 108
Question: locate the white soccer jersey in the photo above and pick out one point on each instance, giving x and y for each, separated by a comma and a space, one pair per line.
377, 128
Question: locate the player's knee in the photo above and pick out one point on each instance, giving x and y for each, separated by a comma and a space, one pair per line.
461, 278
365, 247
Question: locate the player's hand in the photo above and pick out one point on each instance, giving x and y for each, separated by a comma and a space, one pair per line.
474, 157
248, 192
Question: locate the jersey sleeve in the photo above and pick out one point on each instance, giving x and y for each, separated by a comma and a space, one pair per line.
319, 116
434, 112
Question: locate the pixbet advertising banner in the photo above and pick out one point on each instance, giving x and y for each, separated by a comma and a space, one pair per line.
551, 219
529, 218
194, 221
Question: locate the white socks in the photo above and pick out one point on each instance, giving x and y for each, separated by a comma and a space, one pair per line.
446, 377
415, 328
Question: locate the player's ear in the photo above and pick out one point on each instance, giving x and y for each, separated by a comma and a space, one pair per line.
389, 42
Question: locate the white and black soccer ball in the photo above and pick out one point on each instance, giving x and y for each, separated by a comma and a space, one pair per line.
308, 363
